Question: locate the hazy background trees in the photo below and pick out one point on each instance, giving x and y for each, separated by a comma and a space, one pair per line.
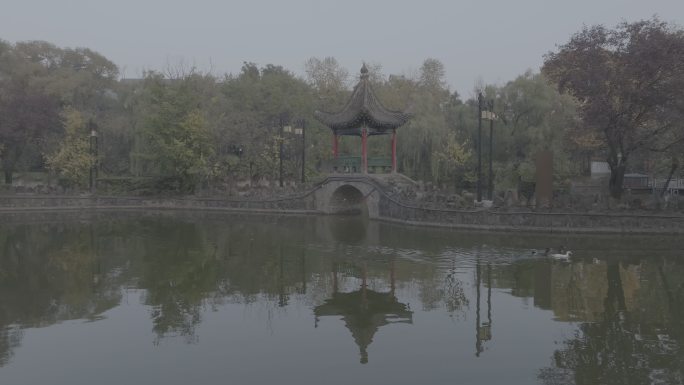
38, 82
180, 129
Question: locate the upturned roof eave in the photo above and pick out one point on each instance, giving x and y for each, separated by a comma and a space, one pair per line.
363, 109
360, 120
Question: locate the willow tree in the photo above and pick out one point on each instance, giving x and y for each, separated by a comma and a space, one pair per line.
629, 83
425, 96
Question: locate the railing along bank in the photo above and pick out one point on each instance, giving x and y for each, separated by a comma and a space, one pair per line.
390, 209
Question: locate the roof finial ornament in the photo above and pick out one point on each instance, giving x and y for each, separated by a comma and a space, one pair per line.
364, 71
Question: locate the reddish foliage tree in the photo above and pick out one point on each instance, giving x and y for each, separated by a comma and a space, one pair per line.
629, 83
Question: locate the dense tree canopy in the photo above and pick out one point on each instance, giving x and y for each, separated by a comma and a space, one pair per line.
628, 81
183, 129
37, 82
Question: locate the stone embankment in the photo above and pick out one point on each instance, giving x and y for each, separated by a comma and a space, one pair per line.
379, 201
554, 222
296, 204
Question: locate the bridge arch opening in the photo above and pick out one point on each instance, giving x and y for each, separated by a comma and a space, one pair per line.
348, 200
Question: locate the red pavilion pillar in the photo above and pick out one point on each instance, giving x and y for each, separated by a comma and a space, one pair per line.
364, 150
394, 150
364, 285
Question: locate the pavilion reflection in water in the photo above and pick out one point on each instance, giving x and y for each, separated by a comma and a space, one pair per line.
364, 310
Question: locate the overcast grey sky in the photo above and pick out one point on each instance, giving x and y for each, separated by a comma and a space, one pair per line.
493, 40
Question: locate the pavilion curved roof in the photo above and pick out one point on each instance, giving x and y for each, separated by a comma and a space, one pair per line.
363, 110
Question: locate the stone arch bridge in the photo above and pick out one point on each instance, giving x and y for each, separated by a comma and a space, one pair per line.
354, 194
348, 195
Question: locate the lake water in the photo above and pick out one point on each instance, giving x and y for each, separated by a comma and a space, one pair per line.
179, 298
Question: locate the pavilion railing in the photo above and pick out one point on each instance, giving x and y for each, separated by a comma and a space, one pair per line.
352, 165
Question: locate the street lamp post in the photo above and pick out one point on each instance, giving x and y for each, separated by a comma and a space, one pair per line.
491, 149
93, 152
299, 129
237, 150
485, 111
480, 101
280, 157
303, 150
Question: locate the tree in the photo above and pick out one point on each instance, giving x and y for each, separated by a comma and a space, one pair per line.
28, 116
326, 75
73, 159
257, 102
426, 96
177, 145
534, 117
37, 80
25, 110
628, 81
432, 74
451, 158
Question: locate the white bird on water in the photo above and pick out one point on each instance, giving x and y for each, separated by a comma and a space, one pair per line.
563, 257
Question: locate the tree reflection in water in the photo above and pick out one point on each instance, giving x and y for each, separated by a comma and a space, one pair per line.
48, 274
629, 311
179, 273
636, 338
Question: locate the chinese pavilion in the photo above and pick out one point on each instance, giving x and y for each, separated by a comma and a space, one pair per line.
364, 116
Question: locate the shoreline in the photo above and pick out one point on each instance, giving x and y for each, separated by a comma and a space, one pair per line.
476, 220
